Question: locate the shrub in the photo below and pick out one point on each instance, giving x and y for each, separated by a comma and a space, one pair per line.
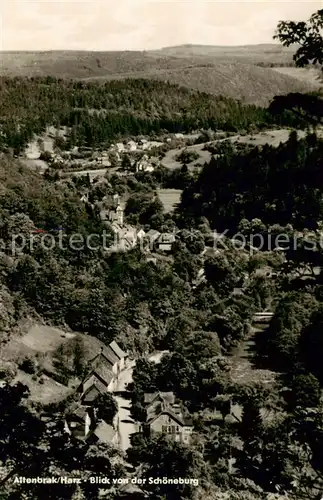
28, 365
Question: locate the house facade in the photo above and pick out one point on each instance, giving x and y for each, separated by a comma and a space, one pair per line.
165, 242
79, 422
168, 416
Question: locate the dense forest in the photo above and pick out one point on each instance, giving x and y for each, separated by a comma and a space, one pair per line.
100, 112
276, 185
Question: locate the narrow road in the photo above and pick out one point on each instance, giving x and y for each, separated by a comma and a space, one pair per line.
124, 424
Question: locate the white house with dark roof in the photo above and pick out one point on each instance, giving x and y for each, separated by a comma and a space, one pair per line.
103, 372
167, 415
165, 242
79, 421
121, 355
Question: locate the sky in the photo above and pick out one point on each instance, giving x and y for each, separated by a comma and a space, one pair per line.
142, 24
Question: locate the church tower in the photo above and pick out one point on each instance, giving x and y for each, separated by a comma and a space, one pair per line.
119, 212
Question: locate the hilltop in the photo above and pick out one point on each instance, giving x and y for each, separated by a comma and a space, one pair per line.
229, 71
270, 53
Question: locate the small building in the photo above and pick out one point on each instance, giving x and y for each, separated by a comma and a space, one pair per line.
102, 160
111, 356
98, 381
104, 433
125, 236
79, 421
131, 146
144, 165
112, 215
120, 147
165, 242
151, 237
141, 234
121, 355
117, 215
167, 415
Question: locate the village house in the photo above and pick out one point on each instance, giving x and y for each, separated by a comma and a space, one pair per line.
103, 161
120, 147
140, 234
112, 356
165, 242
126, 236
102, 373
79, 421
131, 146
167, 415
116, 215
151, 144
151, 237
100, 382
144, 165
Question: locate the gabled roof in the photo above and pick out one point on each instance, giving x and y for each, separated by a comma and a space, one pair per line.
153, 233
177, 418
105, 356
93, 381
117, 350
104, 432
91, 394
108, 354
78, 412
166, 238
150, 397
167, 406
103, 373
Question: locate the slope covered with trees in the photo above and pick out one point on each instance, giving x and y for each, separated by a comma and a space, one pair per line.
276, 185
231, 72
99, 113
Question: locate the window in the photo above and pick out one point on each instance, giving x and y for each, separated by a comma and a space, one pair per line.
164, 429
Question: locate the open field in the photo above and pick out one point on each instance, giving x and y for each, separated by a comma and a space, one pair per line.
45, 340
40, 342
45, 392
309, 75
270, 53
169, 198
272, 137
